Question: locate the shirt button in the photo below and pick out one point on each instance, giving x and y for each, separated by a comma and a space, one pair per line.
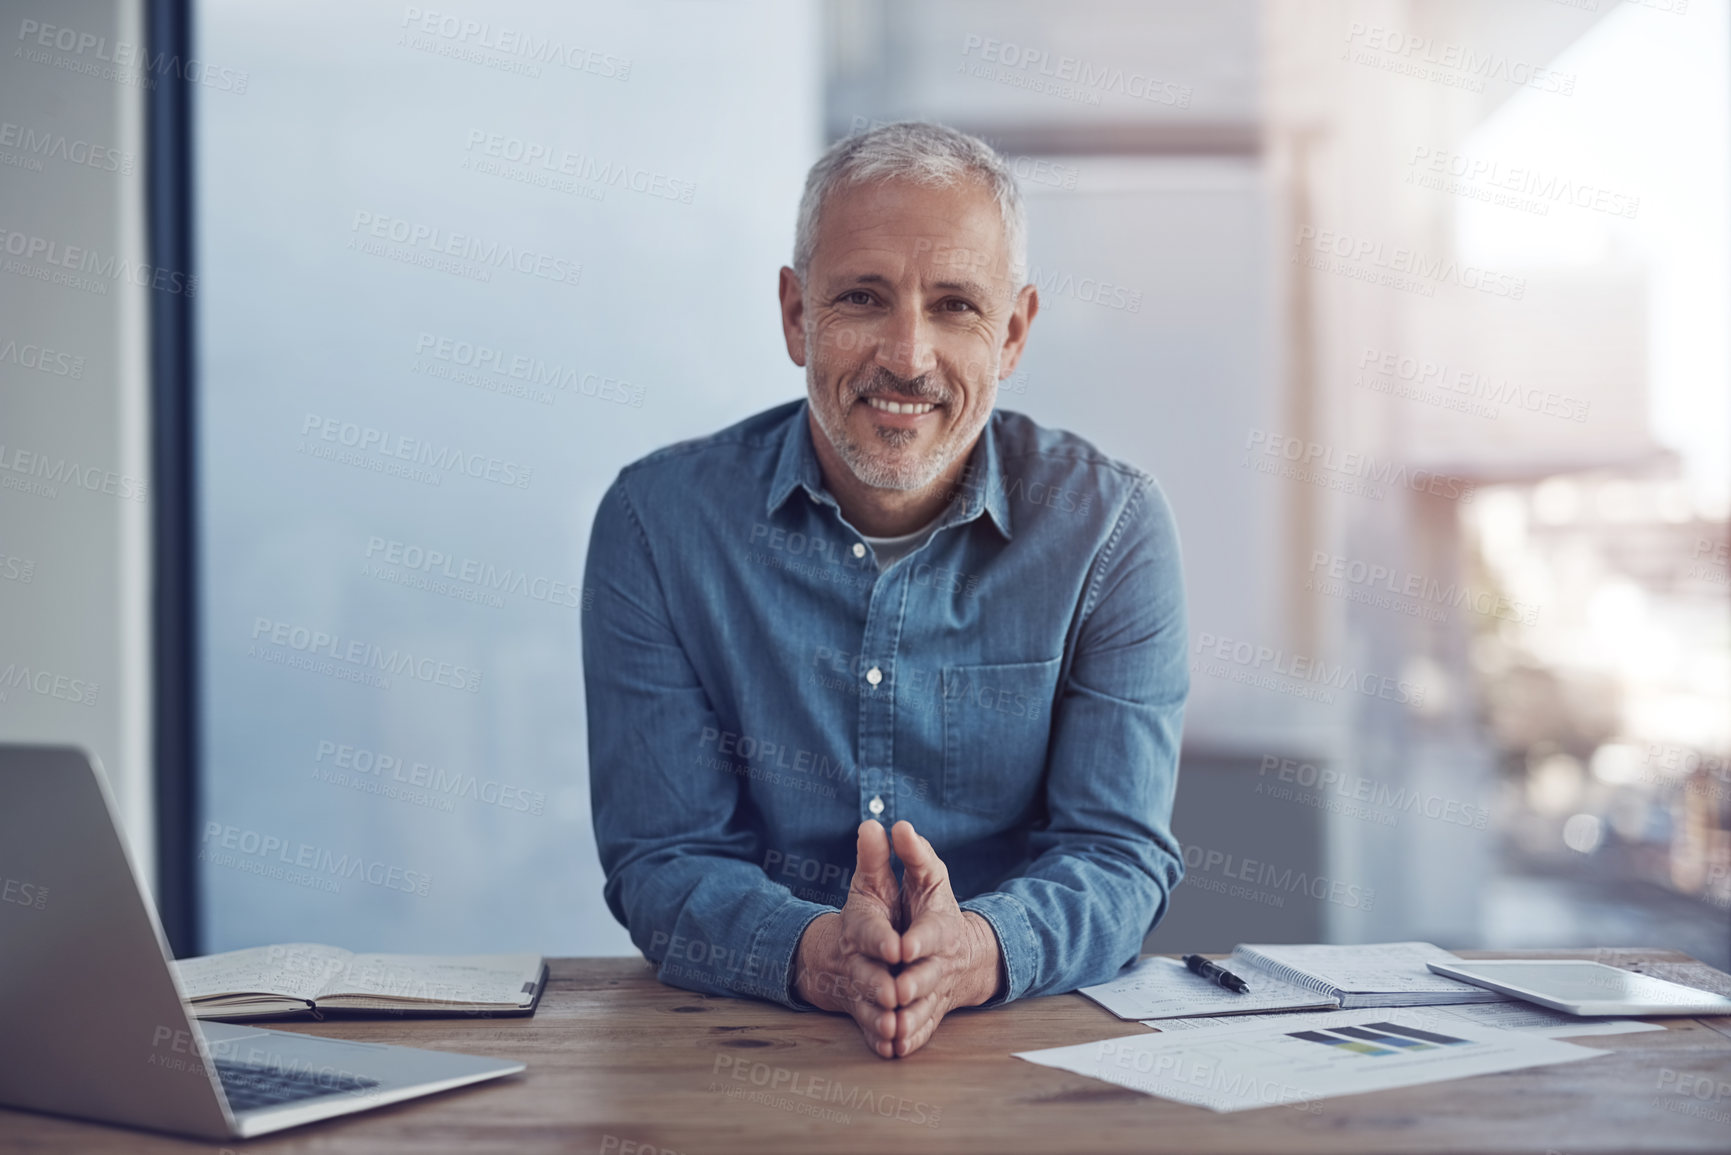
874, 675
859, 549
876, 805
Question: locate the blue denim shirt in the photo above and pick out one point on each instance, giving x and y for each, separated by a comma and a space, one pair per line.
756, 688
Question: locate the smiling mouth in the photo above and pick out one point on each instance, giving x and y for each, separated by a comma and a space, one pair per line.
911, 408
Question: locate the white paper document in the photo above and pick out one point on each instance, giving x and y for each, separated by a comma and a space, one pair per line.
1160, 988
1234, 1065
1514, 1016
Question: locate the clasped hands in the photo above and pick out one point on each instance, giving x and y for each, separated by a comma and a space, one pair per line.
898, 959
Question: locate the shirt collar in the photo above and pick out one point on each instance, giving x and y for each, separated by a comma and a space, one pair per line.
980, 489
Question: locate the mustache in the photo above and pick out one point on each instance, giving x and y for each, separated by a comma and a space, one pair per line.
883, 383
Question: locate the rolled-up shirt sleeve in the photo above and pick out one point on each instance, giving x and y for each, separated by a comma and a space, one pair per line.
679, 860
1103, 861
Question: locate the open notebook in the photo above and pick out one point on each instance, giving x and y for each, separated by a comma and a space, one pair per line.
308, 978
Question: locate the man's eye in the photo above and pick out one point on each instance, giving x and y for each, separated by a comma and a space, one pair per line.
957, 305
857, 297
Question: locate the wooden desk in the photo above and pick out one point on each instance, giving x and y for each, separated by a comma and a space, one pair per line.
616, 1058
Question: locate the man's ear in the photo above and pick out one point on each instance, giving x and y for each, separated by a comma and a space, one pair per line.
793, 315
1016, 332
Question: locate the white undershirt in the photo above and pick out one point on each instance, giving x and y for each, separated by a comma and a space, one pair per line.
890, 550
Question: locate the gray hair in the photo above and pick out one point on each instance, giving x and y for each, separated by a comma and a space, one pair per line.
933, 155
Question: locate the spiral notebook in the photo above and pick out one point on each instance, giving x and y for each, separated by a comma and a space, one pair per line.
1164, 988
1386, 974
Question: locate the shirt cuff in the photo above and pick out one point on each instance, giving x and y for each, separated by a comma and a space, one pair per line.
776, 946
1009, 921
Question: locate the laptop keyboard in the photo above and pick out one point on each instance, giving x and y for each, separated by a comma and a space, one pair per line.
249, 1086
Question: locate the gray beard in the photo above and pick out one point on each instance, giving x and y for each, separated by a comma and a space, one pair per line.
901, 475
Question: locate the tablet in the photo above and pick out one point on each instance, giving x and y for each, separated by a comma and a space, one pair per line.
1579, 987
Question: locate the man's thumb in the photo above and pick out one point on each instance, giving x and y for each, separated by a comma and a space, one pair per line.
919, 860
872, 872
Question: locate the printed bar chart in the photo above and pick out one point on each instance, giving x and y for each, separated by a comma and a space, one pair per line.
1352, 1045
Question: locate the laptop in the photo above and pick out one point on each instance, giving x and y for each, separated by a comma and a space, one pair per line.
91, 1015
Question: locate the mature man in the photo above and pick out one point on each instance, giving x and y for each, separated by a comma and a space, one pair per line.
887, 625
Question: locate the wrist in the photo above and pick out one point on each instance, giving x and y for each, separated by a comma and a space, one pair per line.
813, 957
988, 962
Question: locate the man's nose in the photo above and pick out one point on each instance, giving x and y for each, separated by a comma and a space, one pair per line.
906, 348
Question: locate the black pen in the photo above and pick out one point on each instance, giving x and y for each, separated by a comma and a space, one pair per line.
1216, 974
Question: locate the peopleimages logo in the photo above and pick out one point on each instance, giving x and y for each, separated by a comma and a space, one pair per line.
41, 359
21, 893
1304, 669
83, 268
1266, 874
1525, 185
120, 61
1327, 779
362, 655
46, 683
370, 444
1088, 290
58, 146
1471, 385
1365, 256
362, 765
53, 472
531, 371
1068, 76
432, 241
1374, 577
785, 1088
1365, 467
530, 48
1460, 64
548, 161
483, 576
279, 852
17, 569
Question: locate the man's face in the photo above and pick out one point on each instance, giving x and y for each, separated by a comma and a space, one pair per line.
905, 322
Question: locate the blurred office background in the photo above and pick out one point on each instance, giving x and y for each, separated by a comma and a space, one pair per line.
1418, 311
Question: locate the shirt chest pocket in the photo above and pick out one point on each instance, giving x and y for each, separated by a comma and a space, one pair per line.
997, 719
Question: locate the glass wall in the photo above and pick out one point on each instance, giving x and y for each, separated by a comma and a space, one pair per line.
457, 267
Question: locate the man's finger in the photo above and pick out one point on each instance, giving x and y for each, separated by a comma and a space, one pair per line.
878, 1028
935, 931
871, 1001
915, 852
925, 878
878, 1024
873, 874
863, 997
918, 980
870, 984
874, 906
882, 1046
870, 933
915, 1024
925, 937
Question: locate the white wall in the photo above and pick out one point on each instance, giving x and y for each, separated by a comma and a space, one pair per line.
74, 450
